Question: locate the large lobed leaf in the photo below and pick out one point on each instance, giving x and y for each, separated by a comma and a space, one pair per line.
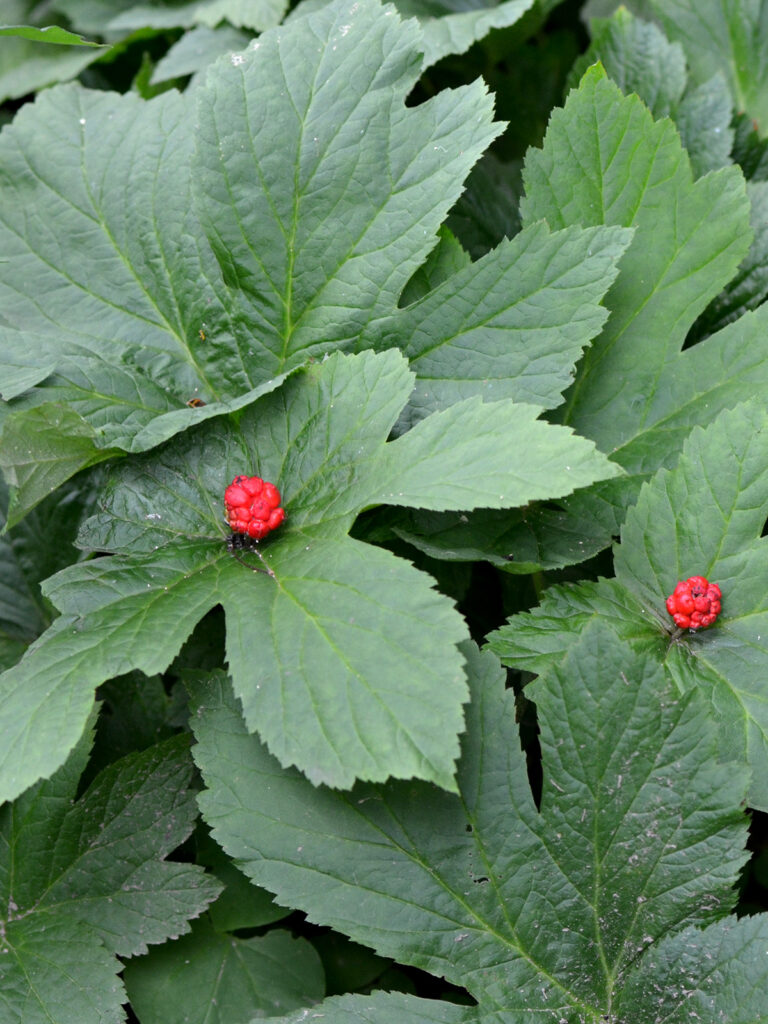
108, 200
706, 518
554, 914
637, 393
195, 248
344, 658
82, 880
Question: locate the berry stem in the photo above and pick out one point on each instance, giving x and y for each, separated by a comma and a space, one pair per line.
266, 572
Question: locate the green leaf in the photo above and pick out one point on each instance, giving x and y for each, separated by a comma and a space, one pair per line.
49, 34
705, 517
25, 562
603, 8
58, 971
241, 904
532, 641
730, 37
89, 16
258, 15
703, 119
328, 256
750, 151
210, 978
462, 885
357, 672
25, 66
64, 443
454, 458
385, 1007
190, 273
449, 26
682, 966
749, 288
639, 58
196, 50
83, 880
636, 393
136, 712
488, 209
348, 966
511, 325
452, 26
150, 318
446, 259
515, 540
27, 371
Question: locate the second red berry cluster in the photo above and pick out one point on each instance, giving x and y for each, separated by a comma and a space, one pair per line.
694, 603
253, 506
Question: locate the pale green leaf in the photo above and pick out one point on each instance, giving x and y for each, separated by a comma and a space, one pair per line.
25, 66
324, 258
703, 119
532, 641
452, 26
603, 8
196, 50
90, 16
20, 376
362, 634
257, 15
453, 458
47, 696
706, 518
449, 26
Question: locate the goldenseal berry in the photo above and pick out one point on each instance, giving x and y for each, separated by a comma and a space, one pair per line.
253, 506
694, 603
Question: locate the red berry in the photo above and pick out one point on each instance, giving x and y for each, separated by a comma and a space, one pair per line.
694, 603
253, 506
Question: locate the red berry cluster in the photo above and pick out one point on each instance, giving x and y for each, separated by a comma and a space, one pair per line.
253, 506
694, 603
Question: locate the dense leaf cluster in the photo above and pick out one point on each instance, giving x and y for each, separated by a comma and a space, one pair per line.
509, 398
